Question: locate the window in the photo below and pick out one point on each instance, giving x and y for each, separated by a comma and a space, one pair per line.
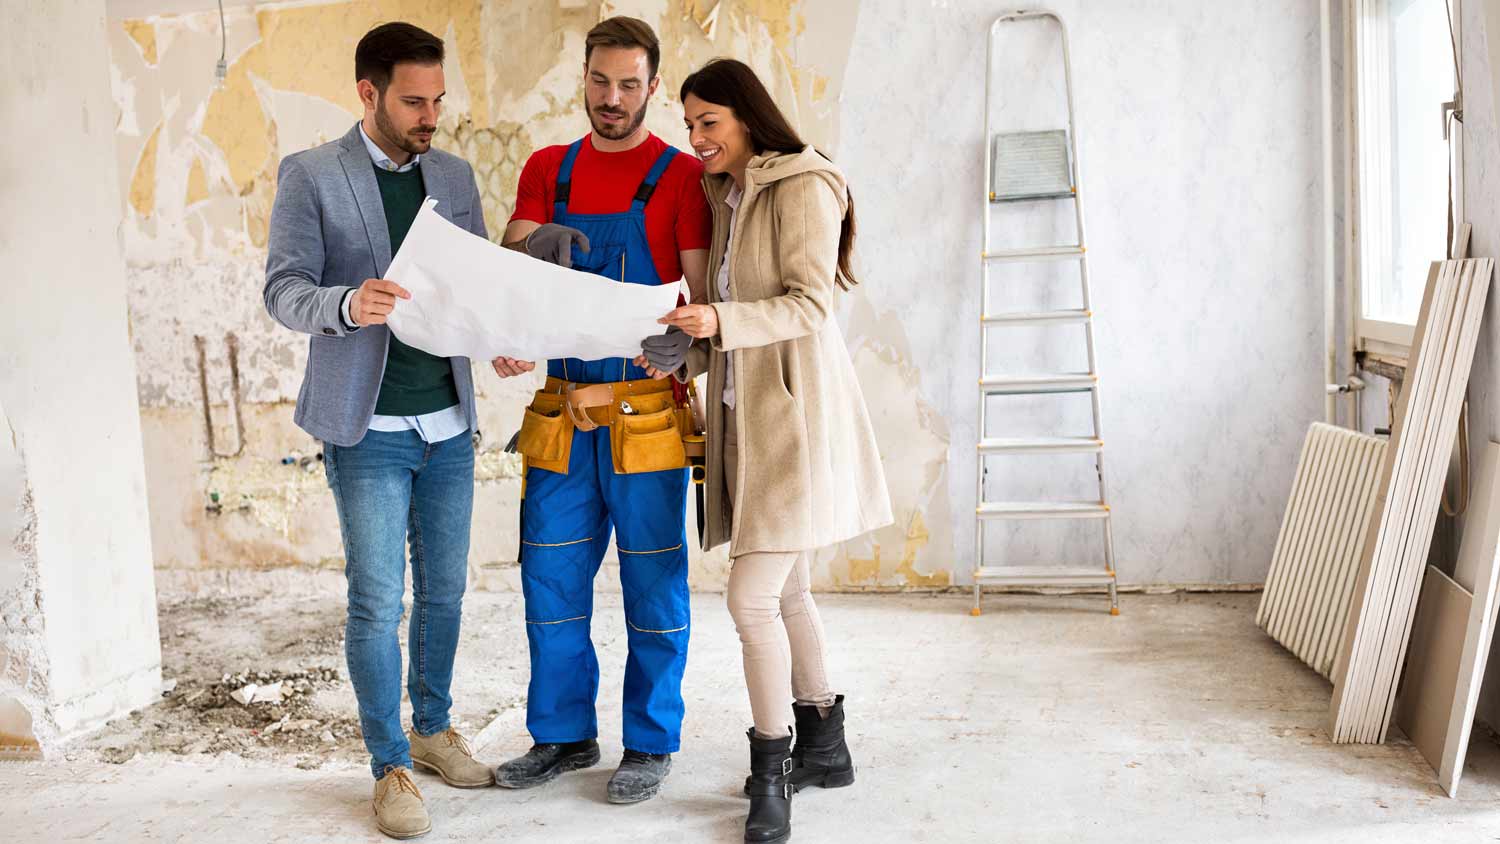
1404, 74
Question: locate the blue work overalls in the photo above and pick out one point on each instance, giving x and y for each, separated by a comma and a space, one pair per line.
566, 522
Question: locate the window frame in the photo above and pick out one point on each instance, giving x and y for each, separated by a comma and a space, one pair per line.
1369, 206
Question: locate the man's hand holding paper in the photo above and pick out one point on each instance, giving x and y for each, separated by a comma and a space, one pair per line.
374, 301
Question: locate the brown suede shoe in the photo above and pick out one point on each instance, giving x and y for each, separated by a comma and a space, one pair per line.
399, 811
448, 755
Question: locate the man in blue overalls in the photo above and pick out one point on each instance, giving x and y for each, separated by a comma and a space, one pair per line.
621, 203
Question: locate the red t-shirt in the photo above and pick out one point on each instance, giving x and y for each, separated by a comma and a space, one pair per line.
677, 217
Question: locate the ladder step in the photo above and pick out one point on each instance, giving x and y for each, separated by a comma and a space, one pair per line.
1069, 382
1019, 510
1042, 575
1041, 445
1037, 317
1046, 253
996, 199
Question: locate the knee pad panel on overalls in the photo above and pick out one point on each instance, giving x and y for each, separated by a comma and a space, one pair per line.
562, 519
656, 592
557, 580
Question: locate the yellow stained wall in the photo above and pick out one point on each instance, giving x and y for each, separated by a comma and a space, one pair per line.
198, 163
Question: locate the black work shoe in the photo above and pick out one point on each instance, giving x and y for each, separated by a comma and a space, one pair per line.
639, 776
545, 762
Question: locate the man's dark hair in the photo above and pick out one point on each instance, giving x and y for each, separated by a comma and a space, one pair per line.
389, 44
621, 31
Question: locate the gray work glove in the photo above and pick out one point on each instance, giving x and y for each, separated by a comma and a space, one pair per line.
554, 244
666, 352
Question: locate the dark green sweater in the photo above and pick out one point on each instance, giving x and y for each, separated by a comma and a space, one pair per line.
414, 382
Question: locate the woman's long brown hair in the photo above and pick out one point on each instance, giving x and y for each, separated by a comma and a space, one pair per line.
731, 83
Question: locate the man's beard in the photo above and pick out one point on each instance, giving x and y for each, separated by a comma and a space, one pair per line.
618, 131
414, 146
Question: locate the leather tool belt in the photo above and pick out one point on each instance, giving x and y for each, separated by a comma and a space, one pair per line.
650, 430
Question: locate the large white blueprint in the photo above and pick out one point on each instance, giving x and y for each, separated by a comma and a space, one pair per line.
473, 298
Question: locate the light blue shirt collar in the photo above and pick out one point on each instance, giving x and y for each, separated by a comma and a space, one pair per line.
382, 160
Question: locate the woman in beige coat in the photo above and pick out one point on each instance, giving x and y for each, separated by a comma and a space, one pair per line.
792, 460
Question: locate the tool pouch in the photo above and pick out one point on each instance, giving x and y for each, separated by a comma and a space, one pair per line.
646, 439
546, 438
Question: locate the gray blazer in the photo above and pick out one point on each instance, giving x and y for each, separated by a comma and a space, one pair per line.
328, 234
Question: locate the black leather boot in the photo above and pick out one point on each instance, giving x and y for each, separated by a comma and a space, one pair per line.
770, 820
821, 758
546, 762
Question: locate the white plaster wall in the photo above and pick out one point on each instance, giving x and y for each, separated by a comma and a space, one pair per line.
1201, 162
67, 375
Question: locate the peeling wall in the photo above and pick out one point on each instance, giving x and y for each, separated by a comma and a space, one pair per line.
23, 655
1203, 216
77, 594
197, 174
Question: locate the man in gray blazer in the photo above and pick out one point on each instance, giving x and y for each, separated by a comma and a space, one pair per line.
395, 421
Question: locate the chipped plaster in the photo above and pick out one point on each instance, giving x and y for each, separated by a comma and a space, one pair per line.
514, 75
23, 655
914, 444
143, 182
144, 35
17, 551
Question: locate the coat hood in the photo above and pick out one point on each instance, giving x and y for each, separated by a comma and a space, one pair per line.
772, 167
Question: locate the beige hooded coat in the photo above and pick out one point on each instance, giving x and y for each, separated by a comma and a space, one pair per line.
810, 472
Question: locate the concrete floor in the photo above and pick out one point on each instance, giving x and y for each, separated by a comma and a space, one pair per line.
1043, 720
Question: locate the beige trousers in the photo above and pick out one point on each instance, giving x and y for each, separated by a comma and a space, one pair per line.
781, 633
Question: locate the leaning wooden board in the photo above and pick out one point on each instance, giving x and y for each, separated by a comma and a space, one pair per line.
1451, 636
1458, 357
1379, 622
1370, 582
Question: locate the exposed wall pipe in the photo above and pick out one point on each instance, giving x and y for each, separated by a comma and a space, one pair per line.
1351, 215
1330, 302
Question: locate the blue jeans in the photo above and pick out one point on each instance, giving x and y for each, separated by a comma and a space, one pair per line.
390, 489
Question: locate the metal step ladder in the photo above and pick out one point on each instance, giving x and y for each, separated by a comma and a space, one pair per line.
1037, 166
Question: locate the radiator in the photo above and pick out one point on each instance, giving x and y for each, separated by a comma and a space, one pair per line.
1306, 600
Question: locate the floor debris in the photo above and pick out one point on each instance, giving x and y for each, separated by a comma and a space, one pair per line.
263, 677
268, 685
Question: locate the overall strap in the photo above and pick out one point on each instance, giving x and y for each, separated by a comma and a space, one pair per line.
648, 185
565, 180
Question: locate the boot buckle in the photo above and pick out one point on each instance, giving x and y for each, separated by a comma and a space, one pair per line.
787, 790
786, 766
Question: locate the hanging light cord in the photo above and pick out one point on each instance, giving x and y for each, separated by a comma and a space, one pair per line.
222, 67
